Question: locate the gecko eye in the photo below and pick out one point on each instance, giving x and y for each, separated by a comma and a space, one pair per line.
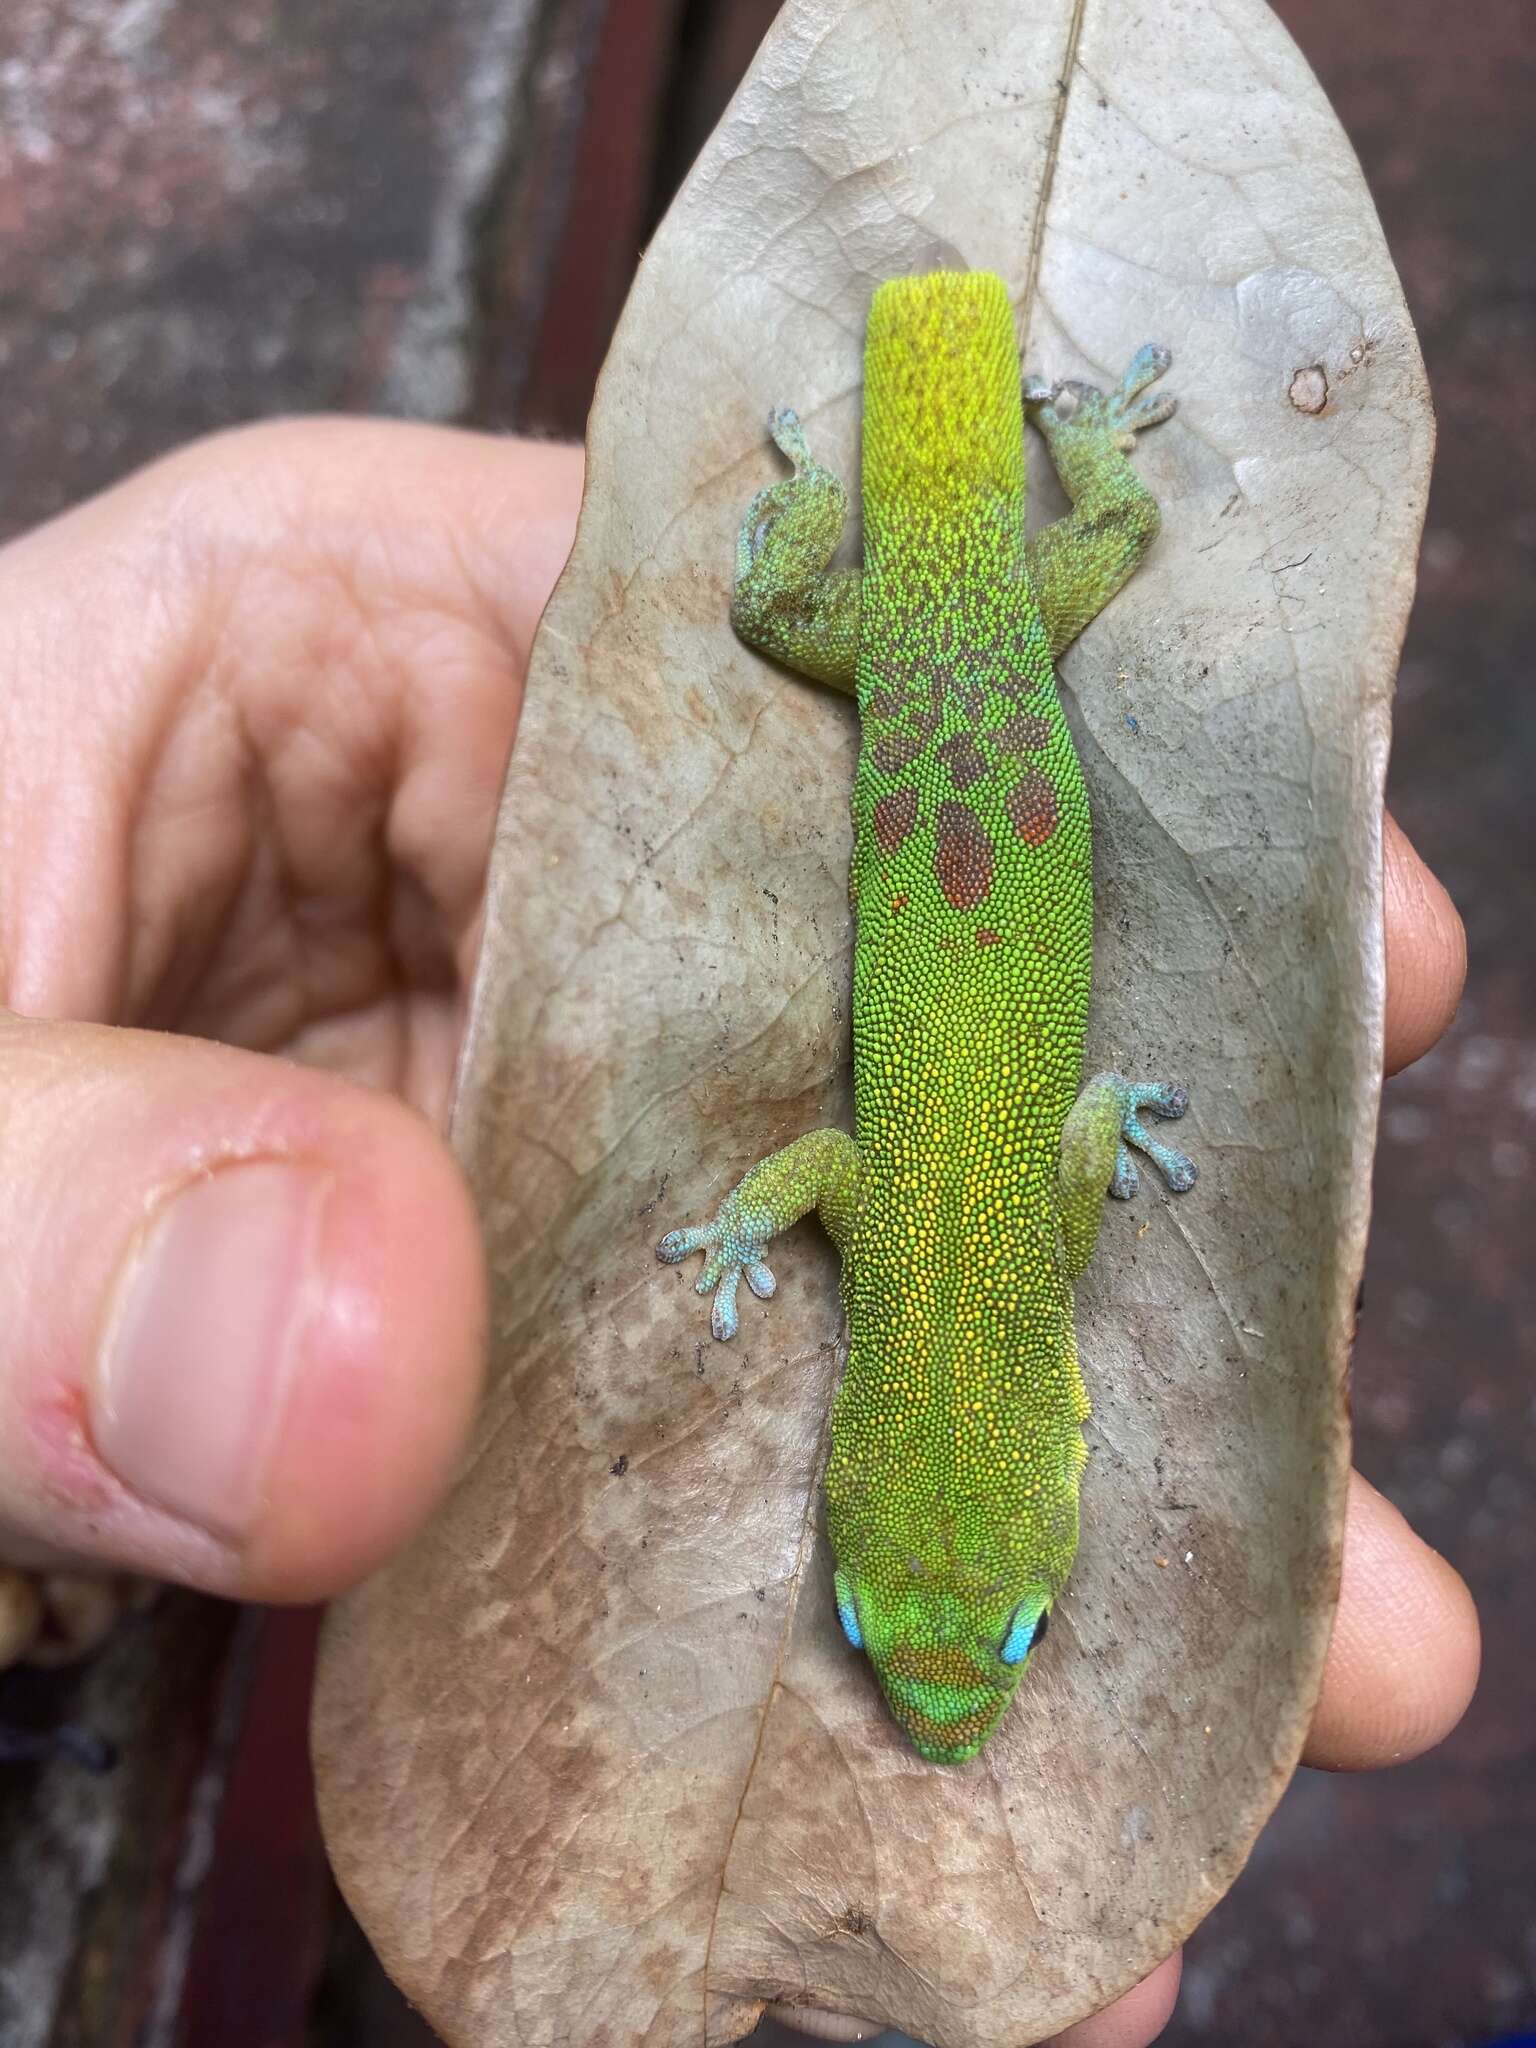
1026, 1629
847, 1613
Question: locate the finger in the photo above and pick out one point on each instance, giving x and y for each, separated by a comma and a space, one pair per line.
759, 1278
1402, 1665
723, 1318
1426, 951
1131, 2022
1134, 2020
821, 2026
299, 673
241, 1313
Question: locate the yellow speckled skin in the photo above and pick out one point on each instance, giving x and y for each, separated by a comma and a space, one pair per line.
969, 1198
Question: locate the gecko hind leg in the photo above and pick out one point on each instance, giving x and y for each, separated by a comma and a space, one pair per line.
1102, 1126
1176, 1167
819, 1171
787, 601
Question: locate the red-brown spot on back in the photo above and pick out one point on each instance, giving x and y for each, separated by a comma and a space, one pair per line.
985, 937
896, 750
1032, 807
961, 677
964, 760
895, 818
1025, 733
963, 858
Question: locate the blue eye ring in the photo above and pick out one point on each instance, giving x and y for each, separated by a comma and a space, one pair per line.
847, 1613
1025, 1630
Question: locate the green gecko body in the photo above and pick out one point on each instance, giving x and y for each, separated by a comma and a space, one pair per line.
968, 1199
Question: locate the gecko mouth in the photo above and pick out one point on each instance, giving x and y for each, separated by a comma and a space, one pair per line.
947, 1706
942, 1740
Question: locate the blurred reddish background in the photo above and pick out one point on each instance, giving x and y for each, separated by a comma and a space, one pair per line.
435, 206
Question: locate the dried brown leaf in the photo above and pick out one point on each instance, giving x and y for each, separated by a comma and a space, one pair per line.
595, 1764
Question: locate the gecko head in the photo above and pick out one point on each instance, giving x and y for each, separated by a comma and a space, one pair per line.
948, 1657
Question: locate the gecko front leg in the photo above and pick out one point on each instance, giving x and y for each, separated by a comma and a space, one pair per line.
819, 1171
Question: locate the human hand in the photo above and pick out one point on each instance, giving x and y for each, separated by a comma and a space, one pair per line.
254, 705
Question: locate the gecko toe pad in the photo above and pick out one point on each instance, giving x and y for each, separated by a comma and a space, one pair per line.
1076, 408
1165, 1101
733, 1253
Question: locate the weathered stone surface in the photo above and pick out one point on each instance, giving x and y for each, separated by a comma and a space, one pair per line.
96, 1870
210, 214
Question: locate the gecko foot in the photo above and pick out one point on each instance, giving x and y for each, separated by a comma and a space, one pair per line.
1164, 1100
1075, 408
735, 1253
788, 436
808, 507
819, 1171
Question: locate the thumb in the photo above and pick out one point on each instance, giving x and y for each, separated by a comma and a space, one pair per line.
241, 1312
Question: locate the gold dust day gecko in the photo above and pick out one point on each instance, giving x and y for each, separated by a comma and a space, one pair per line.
967, 1200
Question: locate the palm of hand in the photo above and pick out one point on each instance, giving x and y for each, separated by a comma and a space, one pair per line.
277, 723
